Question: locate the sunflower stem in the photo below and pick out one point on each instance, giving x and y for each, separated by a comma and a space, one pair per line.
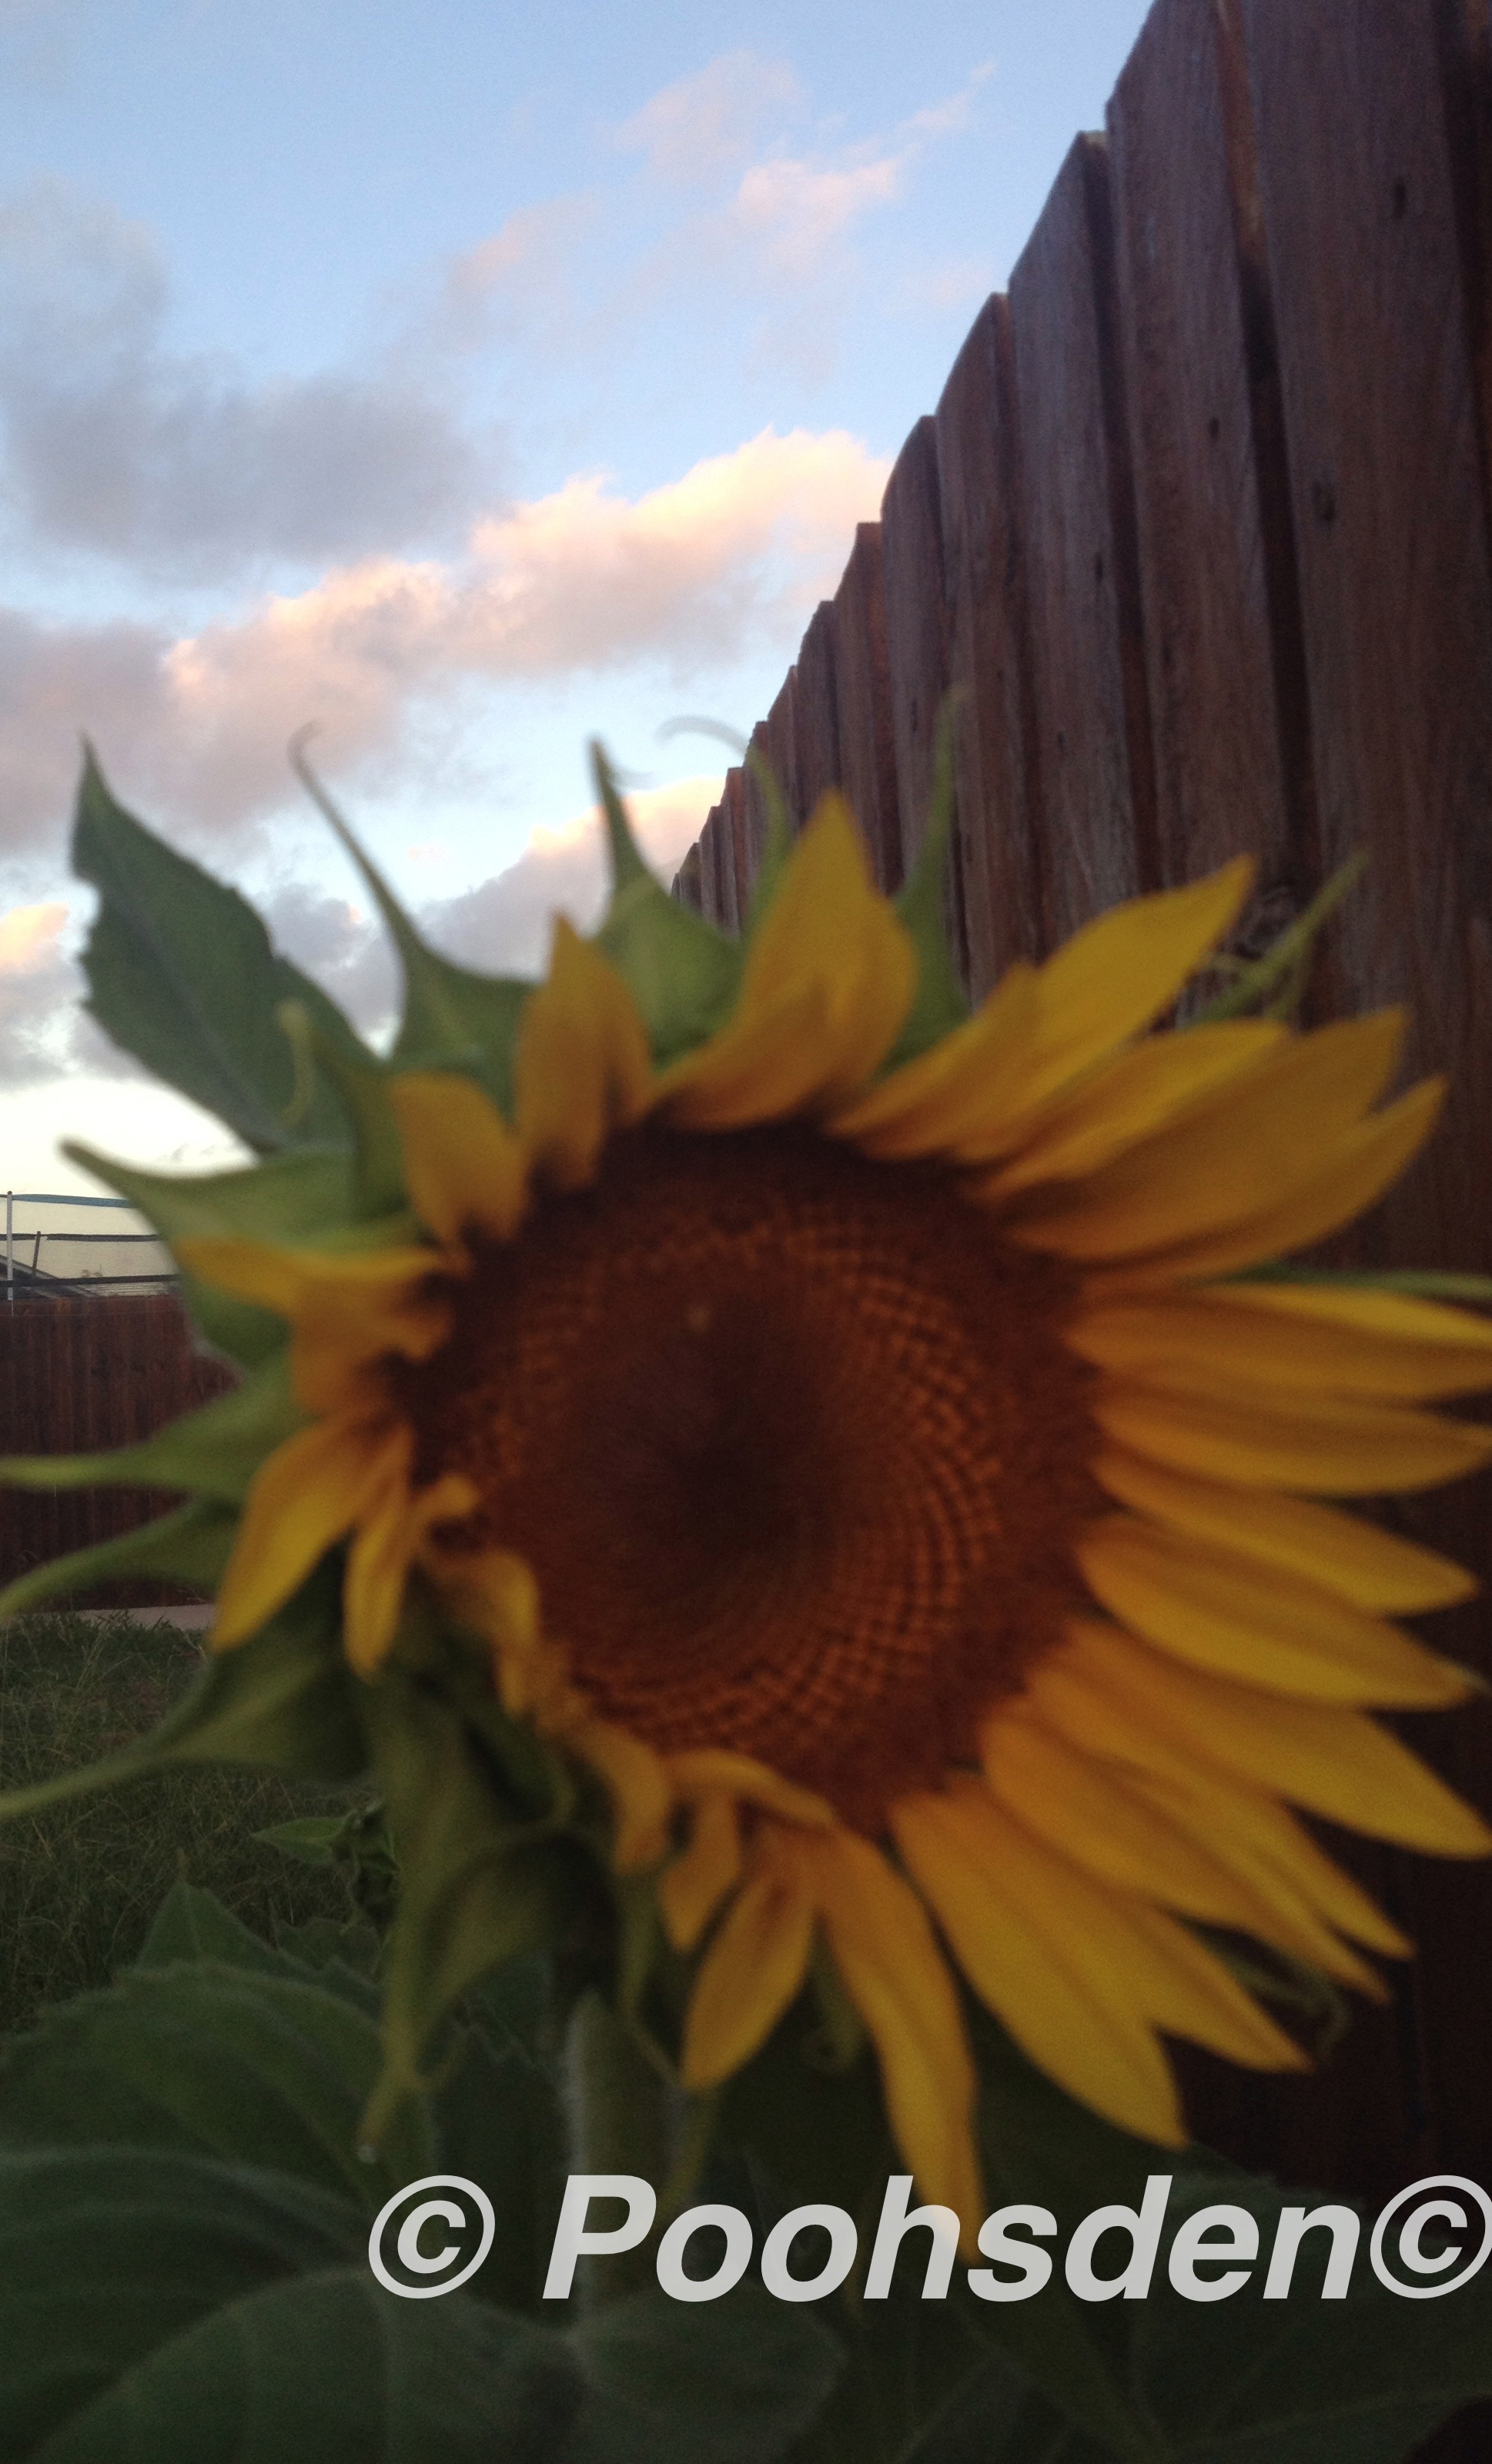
622, 2121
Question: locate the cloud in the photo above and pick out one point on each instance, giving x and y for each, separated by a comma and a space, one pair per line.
699, 570
795, 212
501, 926
176, 463
504, 925
520, 281
710, 121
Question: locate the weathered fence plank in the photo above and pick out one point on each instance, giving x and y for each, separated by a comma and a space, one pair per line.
918, 648
862, 668
997, 769
83, 1377
1087, 654
1201, 391
816, 728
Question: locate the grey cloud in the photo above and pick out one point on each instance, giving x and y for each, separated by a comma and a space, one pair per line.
176, 463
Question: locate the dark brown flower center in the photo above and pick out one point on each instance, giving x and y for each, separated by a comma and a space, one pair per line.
791, 1440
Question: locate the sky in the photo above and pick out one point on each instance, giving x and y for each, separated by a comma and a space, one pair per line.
462, 383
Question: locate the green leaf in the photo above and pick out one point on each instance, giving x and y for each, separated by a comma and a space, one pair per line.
1429, 1283
731, 2383
1303, 2381
159, 2309
284, 1700
289, 1198
477, 1887
362, 1084
453, 1018
191, 1924
213, 1453
939, 1003
498, 2120
309, 1839
214, 2059
181, 973
683, 975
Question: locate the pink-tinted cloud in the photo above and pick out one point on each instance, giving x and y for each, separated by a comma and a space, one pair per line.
697, 571
708, 123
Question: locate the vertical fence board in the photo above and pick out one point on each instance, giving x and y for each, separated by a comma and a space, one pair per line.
999, 787
1221, 774
867, 749
1077, 519
917, 649
80, 1377
1396, 598
816, 728
781, 746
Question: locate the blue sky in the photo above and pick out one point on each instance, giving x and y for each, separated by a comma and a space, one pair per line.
467, 381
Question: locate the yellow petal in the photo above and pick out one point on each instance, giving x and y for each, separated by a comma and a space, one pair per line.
830, 958
751, 1972
639, 1787
390, 1536
1131, 1099
1113, 979
1359, 1168
964, 1092
462, 1165
1335, 1449
1234, 1157
1085, 1810
582, 1068
308, 1494
693, 1887
887, 1956
707, 1770
1375, 1570
1222, 1613
1302, 1337
1063, 2013
1113, 1696
1261, 1841
348, 1307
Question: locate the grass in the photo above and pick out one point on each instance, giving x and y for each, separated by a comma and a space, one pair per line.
79, 1885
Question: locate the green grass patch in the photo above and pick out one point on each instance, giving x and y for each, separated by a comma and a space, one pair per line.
81, 1883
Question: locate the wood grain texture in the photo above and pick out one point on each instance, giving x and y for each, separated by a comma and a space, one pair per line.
1076, 514
686, 881
1196, 354
866, 741
1388, 480
709, 868
917, 652
816, 725
82, 1376
999, 772
781, 746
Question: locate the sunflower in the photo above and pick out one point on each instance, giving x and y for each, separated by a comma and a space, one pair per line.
884, 1476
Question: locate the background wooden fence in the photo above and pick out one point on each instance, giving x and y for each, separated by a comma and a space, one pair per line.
79, 1375
1200, 527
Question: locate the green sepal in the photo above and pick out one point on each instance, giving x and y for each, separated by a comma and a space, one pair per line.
777, 848
181, 973
212, 1453
1429, 1283
939, 1003
284, 1700
453, 1018
377, 1181
307, 1199
479, 1883
683, 975
1275, 984
189, 1546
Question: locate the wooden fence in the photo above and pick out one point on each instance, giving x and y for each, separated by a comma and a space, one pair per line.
1200, 528
76, 1376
